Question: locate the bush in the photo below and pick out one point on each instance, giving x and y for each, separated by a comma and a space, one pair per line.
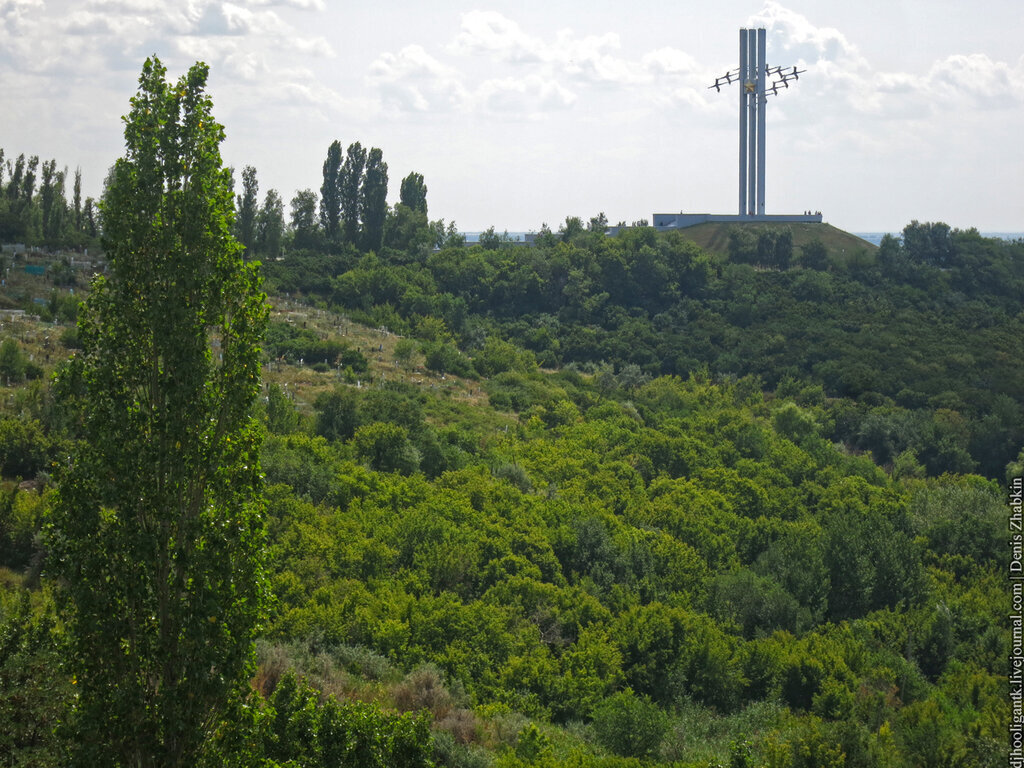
12, 361
515, 474
21, 517
630, 726
24, 449
359, 735
69, 338
424, 688
448, 753
386, 448
443, 357
301, 344
363, 661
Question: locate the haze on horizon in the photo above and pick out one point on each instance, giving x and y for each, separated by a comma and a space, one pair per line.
519, 113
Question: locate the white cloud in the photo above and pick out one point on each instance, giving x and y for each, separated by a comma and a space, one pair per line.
412, 80
302, 5
242, 21
132, 6
542, 68
20, 28
18, 8
531, 96
591, 58
489, 32
92, 24
842, 80
307, 46
670, 61
794, 34
173, 18
977, 79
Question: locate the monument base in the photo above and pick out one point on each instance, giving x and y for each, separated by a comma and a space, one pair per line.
684, 220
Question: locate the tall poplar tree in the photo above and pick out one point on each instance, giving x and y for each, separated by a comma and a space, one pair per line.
270, 225
248, 209
76, 201
47, 196
413, 192
330, 193
303, 219
14, 184
374, 200
157, 533
350, 183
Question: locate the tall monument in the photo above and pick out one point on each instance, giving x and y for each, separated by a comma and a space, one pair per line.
752, 76
753, 100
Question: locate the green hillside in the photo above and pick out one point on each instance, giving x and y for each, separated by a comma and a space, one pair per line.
714, 236
591, 566
347, 492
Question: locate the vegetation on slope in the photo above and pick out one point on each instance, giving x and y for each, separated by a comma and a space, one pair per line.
598, 502
674, 570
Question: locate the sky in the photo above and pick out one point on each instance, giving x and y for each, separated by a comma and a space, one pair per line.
519, 113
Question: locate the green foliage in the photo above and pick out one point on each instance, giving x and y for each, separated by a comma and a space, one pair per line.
413, 193
42, 215
373, 201
444, 357
270, 226
305, 232
293, 344
24, 448
498, 356
744, 494
248, 209
961, 518
282, 417
559, 574
350, 183
12, 361
386, 448
22, 513
330, 193
532, 744
651, 304
758, 605
630, 726
309, 732
810, 747
336, 417
35, 697
157, 532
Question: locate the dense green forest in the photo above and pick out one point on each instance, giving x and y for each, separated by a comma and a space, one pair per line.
915, 345
592, 501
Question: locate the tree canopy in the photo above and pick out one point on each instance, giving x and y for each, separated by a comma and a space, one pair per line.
158, 531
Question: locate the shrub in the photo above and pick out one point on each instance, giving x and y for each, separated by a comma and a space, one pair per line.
630, 726
23, 448
424, 688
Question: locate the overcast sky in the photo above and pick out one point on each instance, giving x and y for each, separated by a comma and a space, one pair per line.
524, 112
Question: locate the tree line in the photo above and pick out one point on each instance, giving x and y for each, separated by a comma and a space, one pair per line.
350, 214
34, 204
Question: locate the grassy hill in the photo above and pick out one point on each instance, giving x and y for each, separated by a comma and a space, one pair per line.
714, 236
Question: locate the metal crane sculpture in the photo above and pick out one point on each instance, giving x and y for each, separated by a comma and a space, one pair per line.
752, 75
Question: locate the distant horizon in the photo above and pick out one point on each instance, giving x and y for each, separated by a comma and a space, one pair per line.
872, 236
528, 111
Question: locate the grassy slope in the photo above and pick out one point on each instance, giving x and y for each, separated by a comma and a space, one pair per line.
714, 236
